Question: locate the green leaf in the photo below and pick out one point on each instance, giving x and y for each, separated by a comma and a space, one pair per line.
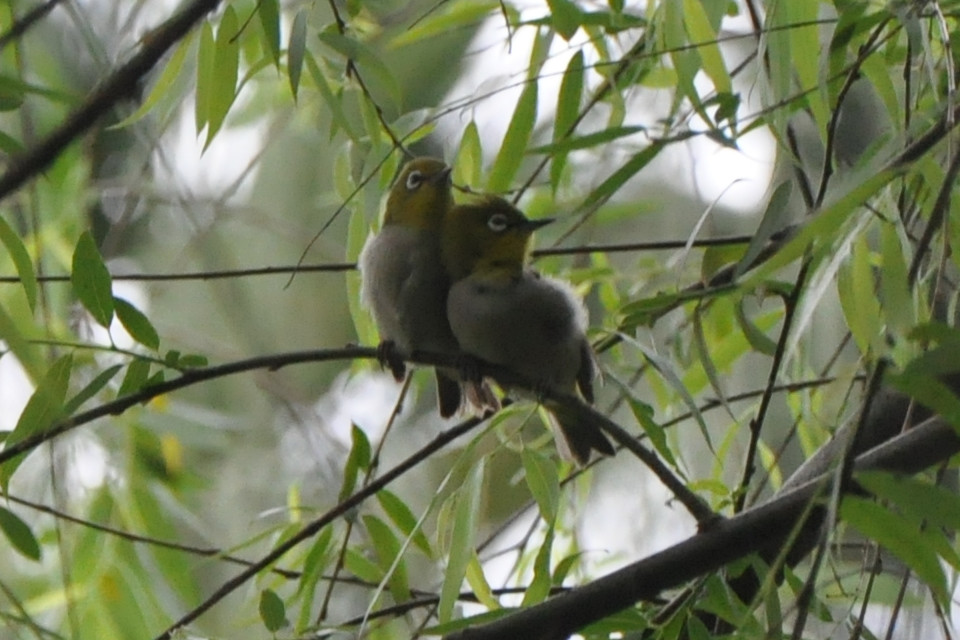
388, 550
136, 377
366, 58
137, 325
544, 483
401, 515
759, 340
775, 218
565, 17
658, 437
21, 261
318, 558
539, 588
629, 169
448, 17
358, 459
166, 81
10, 145
206, 52
938, 506
95, 385
860, 306
511, 153
44, 407
465, 524
272, 611
340, 118
91, 281
16, 343
585, 142
269, 13
904, 538
704, 35
468, 165
295, 50
568, 110
226, 63
894, 285
19, 534
361, 567
478, 582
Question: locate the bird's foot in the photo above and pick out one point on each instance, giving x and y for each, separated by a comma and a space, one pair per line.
389, 358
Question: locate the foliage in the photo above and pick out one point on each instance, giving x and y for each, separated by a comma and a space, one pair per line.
150, 493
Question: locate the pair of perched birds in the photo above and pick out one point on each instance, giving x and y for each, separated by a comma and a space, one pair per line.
452, 279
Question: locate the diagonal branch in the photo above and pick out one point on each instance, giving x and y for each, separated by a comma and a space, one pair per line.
756, 529
120, 85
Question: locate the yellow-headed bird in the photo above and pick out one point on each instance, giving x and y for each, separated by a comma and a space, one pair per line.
404, 283
505, 313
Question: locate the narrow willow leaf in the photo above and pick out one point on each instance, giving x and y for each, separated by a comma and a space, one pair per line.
939, 506
902, 536
19, 534
92, 388
206, 51
401, 515
478, 583
704, 35
465, 523
272, 611
27, 354
340, 118
226, 64
539, 588
565, 17
10, 145
449, 16
610, 186
367, 59
21, 261
295, 50
136, 377
543, 482
568, 109
44, 407
586, 142
317, 561
269, 13
468, 165
168, 78
775, 218
759, 340
658, 437
511, 153
137, 324
358, 459
388, 550
360, 566
665, 368
894, 287
91, 281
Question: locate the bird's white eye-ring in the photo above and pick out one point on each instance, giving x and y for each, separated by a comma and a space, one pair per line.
497, 223
414, 180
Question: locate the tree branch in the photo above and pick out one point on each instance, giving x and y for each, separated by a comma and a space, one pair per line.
757, 529
119, 85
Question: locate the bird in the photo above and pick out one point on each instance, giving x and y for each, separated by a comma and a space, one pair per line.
505, 313
403, 282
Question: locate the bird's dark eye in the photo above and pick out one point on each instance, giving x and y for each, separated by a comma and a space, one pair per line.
498, 223
414, 180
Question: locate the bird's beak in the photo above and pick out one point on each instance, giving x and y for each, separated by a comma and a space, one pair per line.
533, 225
442, 177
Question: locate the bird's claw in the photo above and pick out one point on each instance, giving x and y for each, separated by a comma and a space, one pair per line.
390, 358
